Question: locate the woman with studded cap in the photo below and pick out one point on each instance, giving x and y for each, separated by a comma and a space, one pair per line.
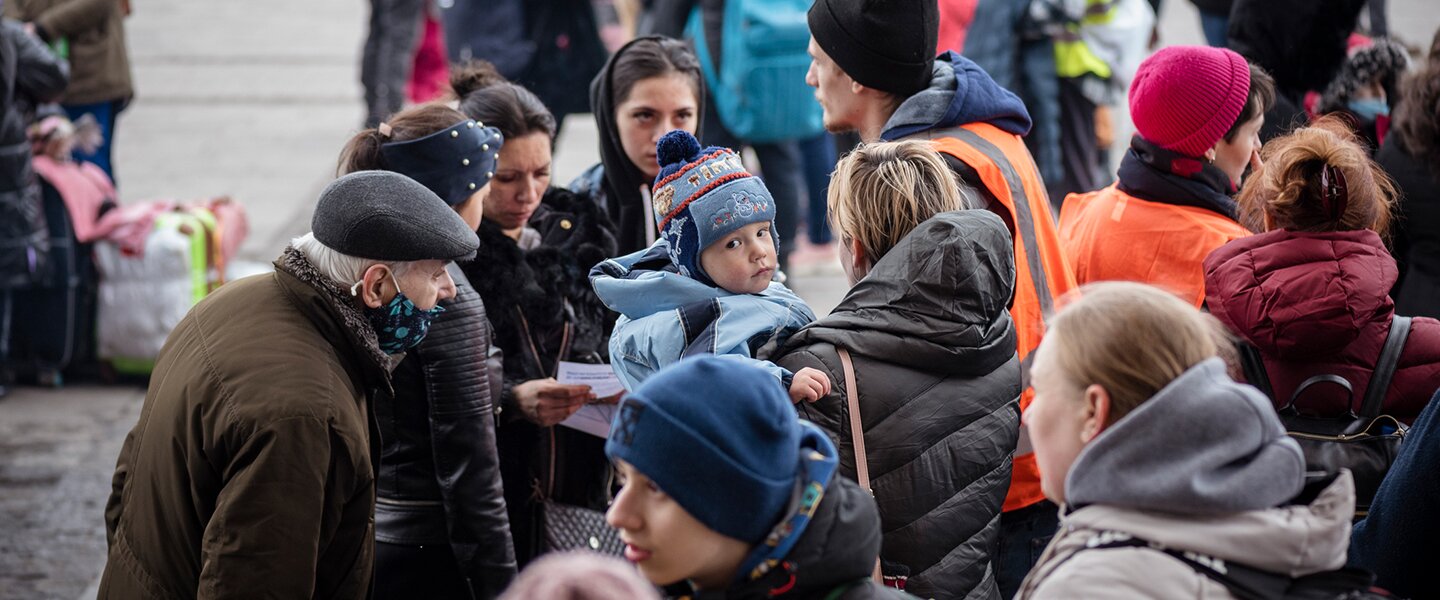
441, 529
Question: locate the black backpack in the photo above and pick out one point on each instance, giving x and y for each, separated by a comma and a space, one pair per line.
1365, 443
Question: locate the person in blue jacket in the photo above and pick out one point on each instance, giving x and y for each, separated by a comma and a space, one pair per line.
706, 286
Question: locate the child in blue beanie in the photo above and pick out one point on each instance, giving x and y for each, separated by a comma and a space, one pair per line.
726, 490
706, 286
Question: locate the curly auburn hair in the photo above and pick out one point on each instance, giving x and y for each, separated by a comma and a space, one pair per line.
1417, 117
1286, 192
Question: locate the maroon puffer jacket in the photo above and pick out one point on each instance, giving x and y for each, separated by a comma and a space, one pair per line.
1316, 303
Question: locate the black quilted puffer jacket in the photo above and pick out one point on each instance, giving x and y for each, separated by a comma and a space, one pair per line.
939, 386
29, 74
439, 476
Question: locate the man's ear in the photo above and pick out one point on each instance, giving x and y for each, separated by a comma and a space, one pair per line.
1097, 412
372, 286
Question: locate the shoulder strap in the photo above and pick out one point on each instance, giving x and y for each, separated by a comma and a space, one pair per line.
1242, 582
857, 436
857, 433
1385, 367
1254, 366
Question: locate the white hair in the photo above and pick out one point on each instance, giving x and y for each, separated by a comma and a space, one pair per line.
343, 269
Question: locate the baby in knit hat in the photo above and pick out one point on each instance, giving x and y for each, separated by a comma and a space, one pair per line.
706, 286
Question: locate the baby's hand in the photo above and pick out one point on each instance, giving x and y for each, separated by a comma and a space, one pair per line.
809, 385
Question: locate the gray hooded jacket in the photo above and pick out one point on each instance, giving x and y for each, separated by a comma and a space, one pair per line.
1204, 466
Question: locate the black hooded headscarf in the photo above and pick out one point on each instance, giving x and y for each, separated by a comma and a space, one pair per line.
622, 178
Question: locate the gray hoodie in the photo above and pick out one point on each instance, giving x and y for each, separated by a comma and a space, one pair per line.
1203, 466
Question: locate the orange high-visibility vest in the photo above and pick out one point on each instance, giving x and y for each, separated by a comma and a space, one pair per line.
1042, 274
1110, 235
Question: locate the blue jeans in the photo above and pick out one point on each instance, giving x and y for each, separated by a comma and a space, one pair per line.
1216, 28
1024, 533
818, 156
104, 113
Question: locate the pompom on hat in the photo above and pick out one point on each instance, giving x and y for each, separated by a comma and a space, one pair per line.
1185, 98
701, 196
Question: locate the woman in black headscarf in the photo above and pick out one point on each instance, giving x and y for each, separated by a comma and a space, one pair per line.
649, 87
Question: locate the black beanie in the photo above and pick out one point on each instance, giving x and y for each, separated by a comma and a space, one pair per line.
888, 45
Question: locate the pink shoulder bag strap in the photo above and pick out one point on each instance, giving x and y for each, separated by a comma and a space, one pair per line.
857, 435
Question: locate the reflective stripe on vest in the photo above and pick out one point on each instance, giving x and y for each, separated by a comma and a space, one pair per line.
983, 147
1019, 205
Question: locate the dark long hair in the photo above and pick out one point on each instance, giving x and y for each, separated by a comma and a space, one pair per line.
486, 96
1417, 116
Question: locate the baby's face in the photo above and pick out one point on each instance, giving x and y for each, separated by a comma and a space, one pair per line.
742, 262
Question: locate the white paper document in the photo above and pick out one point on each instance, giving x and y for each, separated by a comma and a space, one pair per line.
593, 419
601, 378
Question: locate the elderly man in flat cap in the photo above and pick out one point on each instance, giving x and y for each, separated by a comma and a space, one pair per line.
251, 471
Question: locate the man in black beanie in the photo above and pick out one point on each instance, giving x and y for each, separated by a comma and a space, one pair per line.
252, 470
874, 72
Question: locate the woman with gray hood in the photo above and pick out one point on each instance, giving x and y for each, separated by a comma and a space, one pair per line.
1172, 476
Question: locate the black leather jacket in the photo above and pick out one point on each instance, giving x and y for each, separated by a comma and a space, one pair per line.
439, 476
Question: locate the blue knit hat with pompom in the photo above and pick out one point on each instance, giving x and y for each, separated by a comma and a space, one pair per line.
701, 196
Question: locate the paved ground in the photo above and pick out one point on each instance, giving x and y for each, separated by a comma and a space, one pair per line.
251, 99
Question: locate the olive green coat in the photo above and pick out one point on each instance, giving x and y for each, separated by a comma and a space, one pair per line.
251, 473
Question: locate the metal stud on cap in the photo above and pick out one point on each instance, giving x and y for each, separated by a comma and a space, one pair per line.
484, 147
488, 174
472, 185
464, 162
454, 134
470, 125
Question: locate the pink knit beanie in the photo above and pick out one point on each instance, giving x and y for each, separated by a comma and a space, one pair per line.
1184, 98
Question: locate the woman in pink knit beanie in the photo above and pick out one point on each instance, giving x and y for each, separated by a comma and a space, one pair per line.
1198, 112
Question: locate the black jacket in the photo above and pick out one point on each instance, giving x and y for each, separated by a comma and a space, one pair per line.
1414, 236
835, 554
542, 309
439, 479
939, 387
29, 74
1300, 43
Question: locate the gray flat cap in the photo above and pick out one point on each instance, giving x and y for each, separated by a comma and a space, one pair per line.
382, 215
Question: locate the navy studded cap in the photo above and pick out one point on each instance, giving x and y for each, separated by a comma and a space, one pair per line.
382, 215
453, 162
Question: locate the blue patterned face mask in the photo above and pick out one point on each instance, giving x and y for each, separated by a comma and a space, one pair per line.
399, 325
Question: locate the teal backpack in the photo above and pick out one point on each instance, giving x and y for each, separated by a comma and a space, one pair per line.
760, 90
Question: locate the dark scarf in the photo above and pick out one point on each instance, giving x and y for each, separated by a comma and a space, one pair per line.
622, 178
1149, 172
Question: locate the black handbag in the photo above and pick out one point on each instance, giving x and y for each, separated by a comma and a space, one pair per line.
1366, 443
569, 527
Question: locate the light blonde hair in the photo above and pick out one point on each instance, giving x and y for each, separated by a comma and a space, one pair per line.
881, 191
1131, 339
1288, 191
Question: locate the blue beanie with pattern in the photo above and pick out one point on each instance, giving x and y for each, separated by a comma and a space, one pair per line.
719, 437
702, 196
